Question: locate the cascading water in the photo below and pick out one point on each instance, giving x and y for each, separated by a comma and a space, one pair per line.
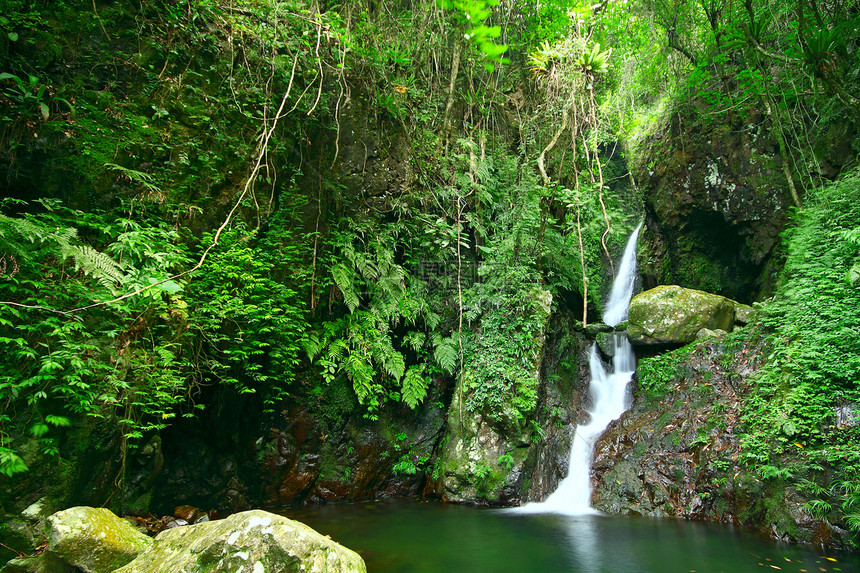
608, 393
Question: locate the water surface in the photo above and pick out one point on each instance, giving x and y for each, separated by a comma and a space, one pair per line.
442, 538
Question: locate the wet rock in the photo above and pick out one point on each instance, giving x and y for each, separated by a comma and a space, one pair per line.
595, 328
715, 202
708, 333
248, 542
484, 452
94, 539
674, 315
488, 463
606, 342
678, 455
190, 514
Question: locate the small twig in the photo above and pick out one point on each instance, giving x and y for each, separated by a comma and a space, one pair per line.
99, 18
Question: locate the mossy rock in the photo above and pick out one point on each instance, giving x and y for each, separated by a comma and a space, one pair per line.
674, 315
94, 539
248, 542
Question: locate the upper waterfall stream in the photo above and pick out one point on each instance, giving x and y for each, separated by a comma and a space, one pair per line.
607, 395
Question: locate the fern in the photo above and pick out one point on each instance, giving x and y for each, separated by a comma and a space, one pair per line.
93, 263
392, 361
414, 388
97, 265
312, 345
145, 180
344, 279
361, 375
445, 353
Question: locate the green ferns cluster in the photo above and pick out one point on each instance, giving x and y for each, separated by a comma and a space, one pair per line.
813, 365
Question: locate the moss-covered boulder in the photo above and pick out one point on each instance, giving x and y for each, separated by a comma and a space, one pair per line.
94, 539
674, 315
249, 542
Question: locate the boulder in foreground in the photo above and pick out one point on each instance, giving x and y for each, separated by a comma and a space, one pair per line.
94, 539
249, 542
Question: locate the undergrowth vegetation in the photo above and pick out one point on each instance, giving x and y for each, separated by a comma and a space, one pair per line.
805, 404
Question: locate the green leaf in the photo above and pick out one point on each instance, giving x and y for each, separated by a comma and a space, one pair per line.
854, 275
414, 388
13, 36
39, 429
59, 421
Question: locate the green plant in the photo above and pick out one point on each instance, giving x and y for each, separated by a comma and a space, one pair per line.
29, 95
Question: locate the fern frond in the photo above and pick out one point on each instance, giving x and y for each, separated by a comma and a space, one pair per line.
414, 388
344, 279
361, 374
97, 265
432, 319
312, 345
446, 354
415, 340
145, 180
393, 362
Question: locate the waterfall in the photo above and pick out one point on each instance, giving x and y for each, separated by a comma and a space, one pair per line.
608, 396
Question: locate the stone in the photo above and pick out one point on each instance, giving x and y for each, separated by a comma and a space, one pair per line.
708, 333
189, 514
671, 314
744, 313
249, 542
594, 328
94, 539
606, 342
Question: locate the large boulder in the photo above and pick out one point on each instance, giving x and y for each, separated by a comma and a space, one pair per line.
94, 539
673, 315
249, 542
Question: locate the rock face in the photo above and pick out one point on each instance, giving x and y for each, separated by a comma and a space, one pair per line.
715, 201
248, 542
679, 454
94, 539
674, 315
495, 460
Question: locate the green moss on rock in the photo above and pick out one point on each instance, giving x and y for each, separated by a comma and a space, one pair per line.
94, 539
674, 315
249, 542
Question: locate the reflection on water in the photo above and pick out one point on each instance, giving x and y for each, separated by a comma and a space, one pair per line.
427, 537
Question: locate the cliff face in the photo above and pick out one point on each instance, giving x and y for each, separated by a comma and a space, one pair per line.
715, 201
678, 453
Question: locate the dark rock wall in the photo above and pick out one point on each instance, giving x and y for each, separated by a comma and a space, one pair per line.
715, 201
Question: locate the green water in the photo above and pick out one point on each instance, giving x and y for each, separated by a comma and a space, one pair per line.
428, 537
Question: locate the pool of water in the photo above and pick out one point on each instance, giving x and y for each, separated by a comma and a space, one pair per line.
442, 538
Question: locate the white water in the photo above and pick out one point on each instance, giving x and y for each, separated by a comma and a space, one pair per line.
608, 395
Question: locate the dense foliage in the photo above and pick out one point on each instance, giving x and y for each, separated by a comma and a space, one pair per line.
279, 199
804, 407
